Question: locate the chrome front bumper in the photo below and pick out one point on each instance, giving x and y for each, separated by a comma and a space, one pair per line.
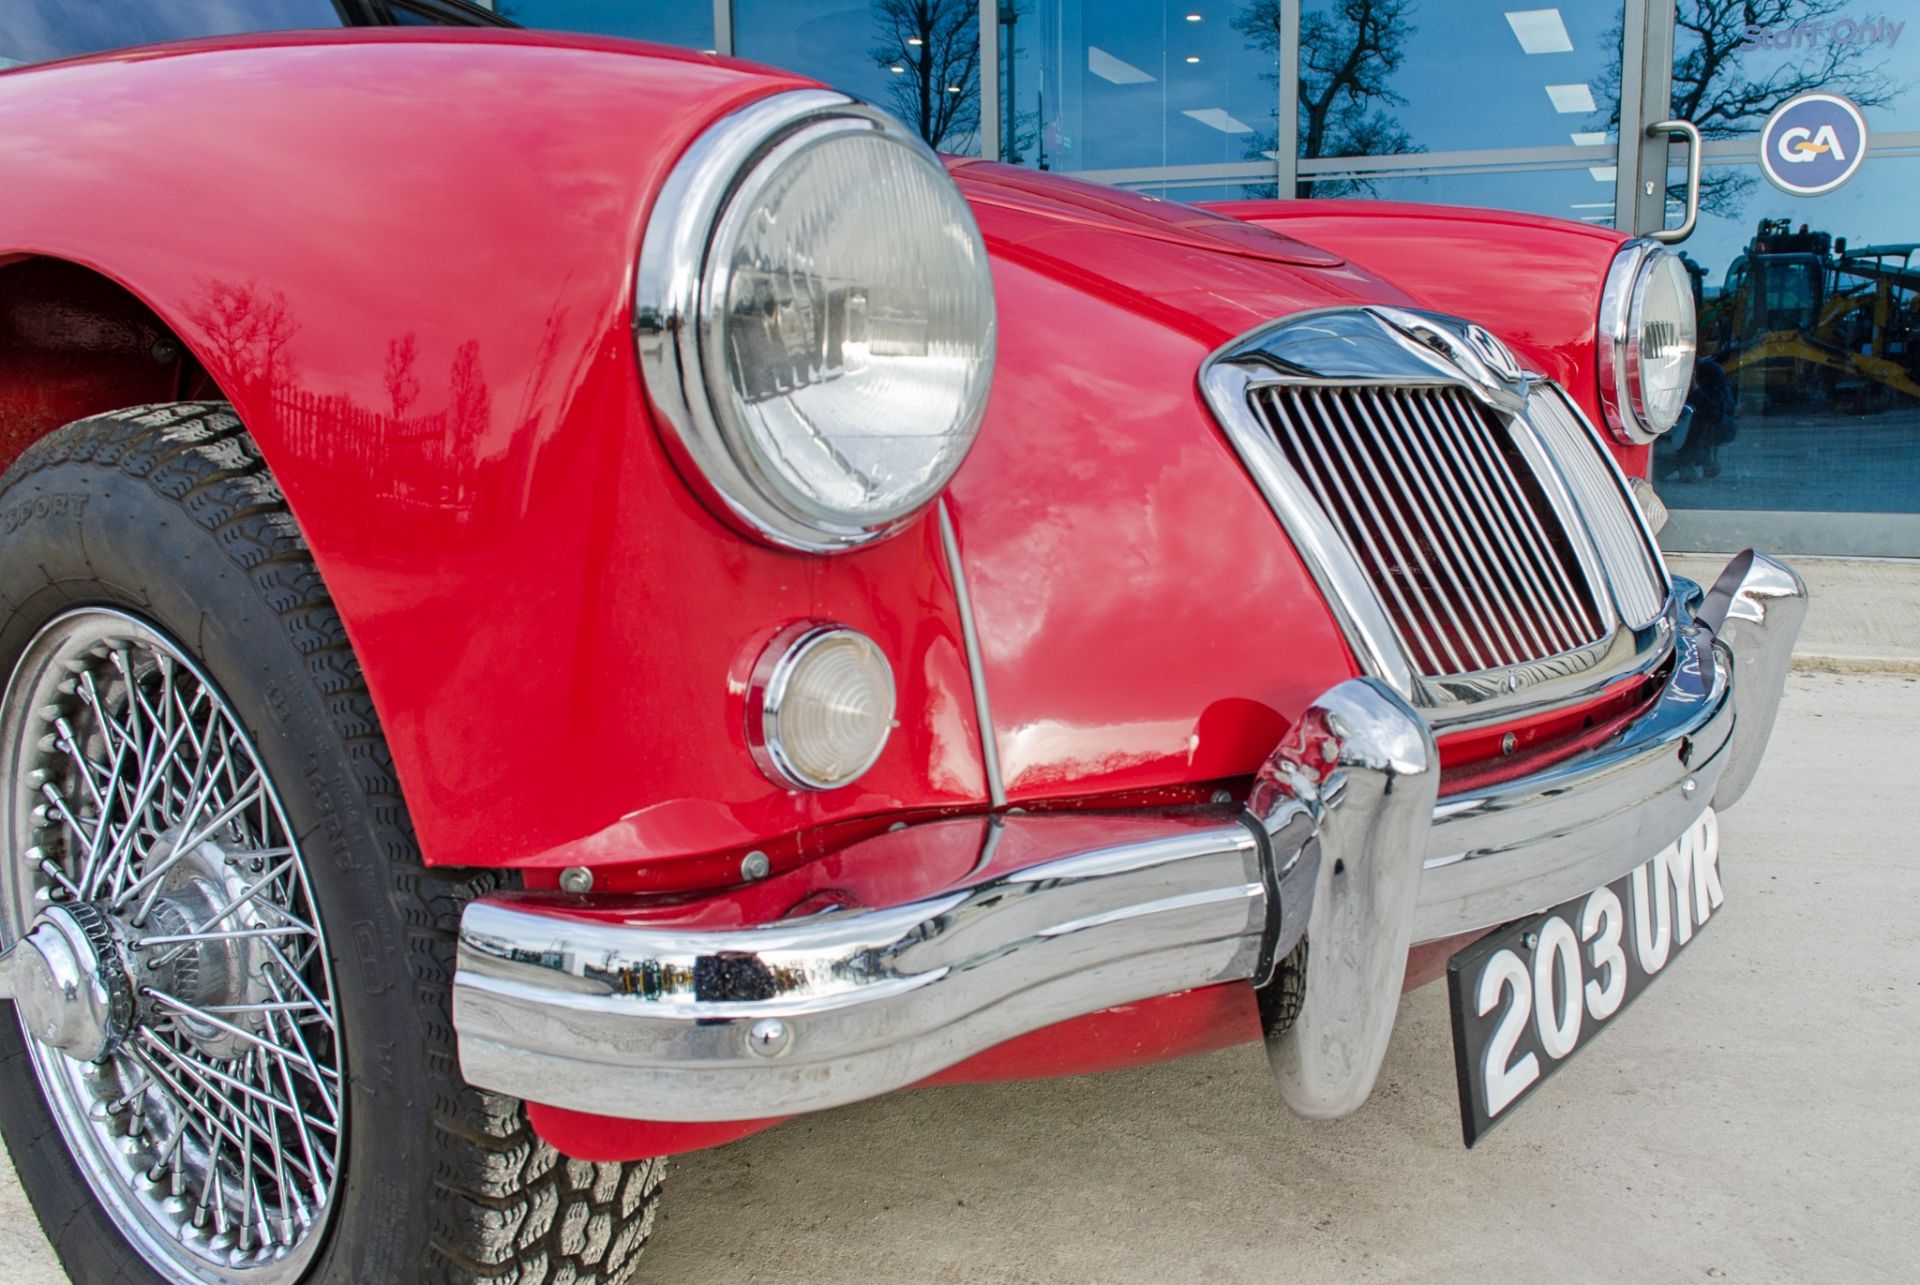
1045, 918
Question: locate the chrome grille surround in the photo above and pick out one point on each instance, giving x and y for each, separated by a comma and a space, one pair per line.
1619, 528
1478, 547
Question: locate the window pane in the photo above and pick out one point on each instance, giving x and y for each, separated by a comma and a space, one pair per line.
1819, 344
919, 59
41, 30
1730, 70
1133, 84
1584, 194
1385, 76
670, 22
1195, 194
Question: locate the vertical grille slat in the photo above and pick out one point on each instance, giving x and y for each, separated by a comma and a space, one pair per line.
1472, 631
1523, 638
1478, 484
1308, 442
1429, 490
1406, 549
1497, 623
1543, 572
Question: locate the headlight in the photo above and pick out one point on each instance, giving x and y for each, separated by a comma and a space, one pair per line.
815, 321
1647, 340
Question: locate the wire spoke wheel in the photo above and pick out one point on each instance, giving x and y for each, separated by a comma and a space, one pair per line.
199, 1079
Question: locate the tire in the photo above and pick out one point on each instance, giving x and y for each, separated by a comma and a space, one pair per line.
1280, 1000
167, 516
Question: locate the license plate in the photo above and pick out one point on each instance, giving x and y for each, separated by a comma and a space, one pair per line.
1528, 996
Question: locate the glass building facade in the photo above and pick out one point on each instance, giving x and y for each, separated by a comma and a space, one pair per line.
1810, 305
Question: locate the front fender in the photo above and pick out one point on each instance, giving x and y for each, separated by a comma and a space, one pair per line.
408, 262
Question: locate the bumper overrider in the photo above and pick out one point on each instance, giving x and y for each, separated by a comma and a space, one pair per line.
1036, 919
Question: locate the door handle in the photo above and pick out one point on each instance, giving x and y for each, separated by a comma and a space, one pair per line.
1691, 132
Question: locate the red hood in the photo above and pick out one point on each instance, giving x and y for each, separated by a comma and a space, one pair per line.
1200, 273
1069, 200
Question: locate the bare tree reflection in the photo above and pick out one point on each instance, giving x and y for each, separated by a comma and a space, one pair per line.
247, 332
931, 48
1716, 87
403, 386
1349, 52
428, 449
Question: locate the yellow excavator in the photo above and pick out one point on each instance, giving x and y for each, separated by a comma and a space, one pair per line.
1802, 318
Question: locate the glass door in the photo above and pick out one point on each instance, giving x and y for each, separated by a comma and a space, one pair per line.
1804, 425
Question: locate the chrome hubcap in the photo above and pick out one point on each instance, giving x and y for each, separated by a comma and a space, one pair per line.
70, 985
167, 962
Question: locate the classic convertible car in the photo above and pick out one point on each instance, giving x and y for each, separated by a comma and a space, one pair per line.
563, 602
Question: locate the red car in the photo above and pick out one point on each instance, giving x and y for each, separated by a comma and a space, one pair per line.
563, 602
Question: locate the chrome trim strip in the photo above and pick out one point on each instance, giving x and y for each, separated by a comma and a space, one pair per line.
656, 1023
976, 670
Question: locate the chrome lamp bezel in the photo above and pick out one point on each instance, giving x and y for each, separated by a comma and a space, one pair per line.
679, 307
1617, 342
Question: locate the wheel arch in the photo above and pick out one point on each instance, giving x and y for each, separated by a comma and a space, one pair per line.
76, 341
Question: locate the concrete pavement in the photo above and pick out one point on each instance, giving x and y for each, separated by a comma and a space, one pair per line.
1755, 1117
1864, 616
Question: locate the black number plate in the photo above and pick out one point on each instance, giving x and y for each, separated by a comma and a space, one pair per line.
1528, 996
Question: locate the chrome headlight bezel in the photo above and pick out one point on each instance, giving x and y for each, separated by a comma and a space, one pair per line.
1617, 342
679, 320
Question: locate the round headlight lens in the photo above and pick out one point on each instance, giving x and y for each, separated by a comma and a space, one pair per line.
825, 707
856, 340
1661, 349
843, 338
1648, 339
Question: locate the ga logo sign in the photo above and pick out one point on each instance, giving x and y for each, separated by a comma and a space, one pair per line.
1813, 143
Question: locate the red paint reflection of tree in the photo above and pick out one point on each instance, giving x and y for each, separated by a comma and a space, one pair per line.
403, 386
248, 335
472, 405
419, 466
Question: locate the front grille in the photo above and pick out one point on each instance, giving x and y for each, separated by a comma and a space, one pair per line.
1446, 518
